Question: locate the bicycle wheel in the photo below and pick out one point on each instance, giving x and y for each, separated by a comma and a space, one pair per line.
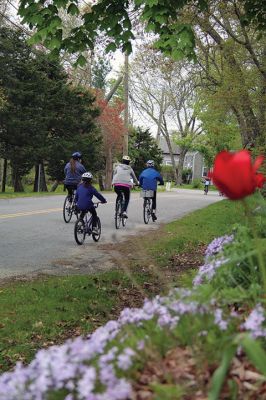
80, 231
118, 213
123, 219
67, 209
146, 210
96, 236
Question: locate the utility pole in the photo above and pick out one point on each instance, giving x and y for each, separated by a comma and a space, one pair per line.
125, 142
160, 119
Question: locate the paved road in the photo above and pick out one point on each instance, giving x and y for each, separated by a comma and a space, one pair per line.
34, 238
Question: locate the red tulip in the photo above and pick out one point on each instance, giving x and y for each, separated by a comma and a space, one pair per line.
235, 176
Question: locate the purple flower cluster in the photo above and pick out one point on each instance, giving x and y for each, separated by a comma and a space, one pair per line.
212, 263
217, 245
254, 322
82, 366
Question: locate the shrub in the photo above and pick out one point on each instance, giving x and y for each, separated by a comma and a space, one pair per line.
196, 183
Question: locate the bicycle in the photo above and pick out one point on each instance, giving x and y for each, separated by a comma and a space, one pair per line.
83, 227
147, 204
119, 206
70, 207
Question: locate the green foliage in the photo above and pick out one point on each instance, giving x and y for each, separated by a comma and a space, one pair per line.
167, 173
44, 117
143, 147
101, 69
196, 183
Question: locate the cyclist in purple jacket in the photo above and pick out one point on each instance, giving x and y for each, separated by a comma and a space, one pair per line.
84, 195
148, 181
73, 172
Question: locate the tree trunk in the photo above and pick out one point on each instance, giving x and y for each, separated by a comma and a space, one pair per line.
181, 165
4, 175
100, 181
54, 186
109, 169
166, 136
17, 182
40, 181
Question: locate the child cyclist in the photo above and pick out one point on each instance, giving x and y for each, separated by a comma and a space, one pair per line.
122, 181
148, 181
84, 195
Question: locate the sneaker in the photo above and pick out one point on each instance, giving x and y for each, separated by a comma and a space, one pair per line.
124, 215
154, 218
95, 230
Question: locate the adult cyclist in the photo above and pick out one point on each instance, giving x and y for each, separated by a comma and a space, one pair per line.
123, 178
148, 181
73, 172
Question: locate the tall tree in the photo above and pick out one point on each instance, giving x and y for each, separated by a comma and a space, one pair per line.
143, 147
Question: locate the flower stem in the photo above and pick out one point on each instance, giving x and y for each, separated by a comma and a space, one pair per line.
261, 263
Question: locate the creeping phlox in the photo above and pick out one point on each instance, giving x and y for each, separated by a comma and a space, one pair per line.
211, 264
96, 367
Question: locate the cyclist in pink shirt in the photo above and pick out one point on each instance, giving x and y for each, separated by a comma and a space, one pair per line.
123, 179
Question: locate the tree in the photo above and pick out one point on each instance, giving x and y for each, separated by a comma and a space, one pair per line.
143, 147
112, 129
43, 112
162, 17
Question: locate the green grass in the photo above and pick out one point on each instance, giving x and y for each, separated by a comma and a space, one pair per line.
197, 228
28, 192
48, 310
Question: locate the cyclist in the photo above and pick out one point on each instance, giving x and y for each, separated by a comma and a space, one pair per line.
148, 181
73, 172
84, 195
122, 181
207, 183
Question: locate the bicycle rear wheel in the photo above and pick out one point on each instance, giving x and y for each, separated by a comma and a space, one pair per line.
146, 210
67, 209
80, 231
118, 213
96, 236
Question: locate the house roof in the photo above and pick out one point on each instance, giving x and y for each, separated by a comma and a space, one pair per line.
163, 146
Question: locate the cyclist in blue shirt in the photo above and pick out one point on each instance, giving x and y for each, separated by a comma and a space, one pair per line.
84, 195
148, 181
73, 172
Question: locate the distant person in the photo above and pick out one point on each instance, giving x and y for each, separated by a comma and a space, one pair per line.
123, 180
148, 181
207, 183
84, 195
73, 172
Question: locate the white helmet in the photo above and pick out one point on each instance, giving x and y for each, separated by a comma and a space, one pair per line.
87, 176
150, 163
126, 158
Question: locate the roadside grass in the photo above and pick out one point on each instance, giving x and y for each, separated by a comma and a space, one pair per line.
28, 192
49, 310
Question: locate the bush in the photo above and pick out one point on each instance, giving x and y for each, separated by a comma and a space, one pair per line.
196, 183
187, 173
167, 173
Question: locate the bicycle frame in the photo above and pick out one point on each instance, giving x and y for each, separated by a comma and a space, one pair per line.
119, 204
83, 227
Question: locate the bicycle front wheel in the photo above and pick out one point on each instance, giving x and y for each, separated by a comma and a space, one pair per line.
67, 209
118, 213
146, 210
80, 231
96, 236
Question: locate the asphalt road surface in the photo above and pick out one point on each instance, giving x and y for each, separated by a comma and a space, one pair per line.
35, 239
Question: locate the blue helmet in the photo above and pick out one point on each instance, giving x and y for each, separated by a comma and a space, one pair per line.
77, 155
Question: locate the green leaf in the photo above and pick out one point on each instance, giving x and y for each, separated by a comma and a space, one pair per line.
55, 22
151, 3
54, 43
177, 54
81, 61
73, 9
220, 373
110, 47
255, 353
